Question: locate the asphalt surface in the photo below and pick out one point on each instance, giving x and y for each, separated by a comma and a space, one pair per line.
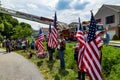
15, 67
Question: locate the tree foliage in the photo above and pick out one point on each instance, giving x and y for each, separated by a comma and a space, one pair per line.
1, 27
22, 32
11, 28
7, 29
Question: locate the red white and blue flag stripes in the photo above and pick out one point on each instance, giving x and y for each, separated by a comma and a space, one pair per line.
91, 57
81, 40
40, 46
50, 39
55, 32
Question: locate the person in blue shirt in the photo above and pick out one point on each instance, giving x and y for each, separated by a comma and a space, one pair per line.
106, 38
32, 44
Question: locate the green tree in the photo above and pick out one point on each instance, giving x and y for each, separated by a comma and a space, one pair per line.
1, 37
1, 27
22, 32
8, 29
0, 4
11, 28
25, 25
13, 21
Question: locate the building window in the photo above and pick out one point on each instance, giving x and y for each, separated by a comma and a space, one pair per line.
98, 20
110, 19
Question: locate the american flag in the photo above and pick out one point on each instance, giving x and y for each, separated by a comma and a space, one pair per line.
55, 32
81, 40
91, 57
40, 46
50, 39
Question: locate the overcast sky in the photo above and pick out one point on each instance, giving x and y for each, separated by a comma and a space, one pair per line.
67, 10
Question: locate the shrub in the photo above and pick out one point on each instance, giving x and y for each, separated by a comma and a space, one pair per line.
115, 37
110, 59
115, 72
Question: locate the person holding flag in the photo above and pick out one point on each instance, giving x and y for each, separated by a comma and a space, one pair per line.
55, 33
79, 51
50, 48
61, 49
60, 44
53, 38
39, 42
91, 58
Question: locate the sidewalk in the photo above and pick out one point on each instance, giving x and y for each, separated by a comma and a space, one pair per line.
15, 67
114, 43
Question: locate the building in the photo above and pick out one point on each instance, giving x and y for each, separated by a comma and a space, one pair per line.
109, 15
36, 32
45, 31
73, 26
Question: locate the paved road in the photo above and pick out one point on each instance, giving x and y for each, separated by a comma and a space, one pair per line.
15, 67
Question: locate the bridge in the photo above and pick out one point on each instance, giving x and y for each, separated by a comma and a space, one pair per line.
39, 19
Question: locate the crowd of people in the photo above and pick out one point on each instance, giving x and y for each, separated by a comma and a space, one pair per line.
18, 44
24, 44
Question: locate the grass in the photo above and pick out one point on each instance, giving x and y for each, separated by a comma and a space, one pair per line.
51, 69
116, 40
